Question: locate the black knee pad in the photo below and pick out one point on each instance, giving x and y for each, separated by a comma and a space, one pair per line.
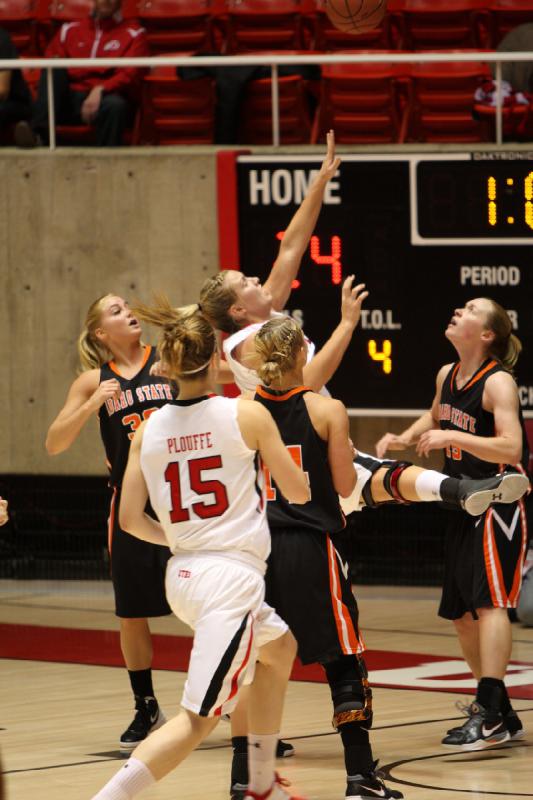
391, 478
350, 692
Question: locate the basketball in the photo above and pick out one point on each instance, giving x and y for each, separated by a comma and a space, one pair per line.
355, 16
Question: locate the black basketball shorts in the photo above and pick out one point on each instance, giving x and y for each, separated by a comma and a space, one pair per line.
307, 583
484, 560
137, 570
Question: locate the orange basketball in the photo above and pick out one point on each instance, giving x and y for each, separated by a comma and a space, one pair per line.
355, 16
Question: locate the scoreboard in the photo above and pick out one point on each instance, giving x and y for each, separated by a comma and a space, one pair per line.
425, 233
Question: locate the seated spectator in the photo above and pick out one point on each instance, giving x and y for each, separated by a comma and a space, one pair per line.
101, 96
15, 98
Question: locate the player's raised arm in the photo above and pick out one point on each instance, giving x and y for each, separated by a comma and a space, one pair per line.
296, 237
260, 433
323, 366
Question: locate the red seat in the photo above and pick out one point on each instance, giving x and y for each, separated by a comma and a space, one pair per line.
16, 17
427, 25
177, 26
176, 111
263, 25
362, 103
294, 112
442, 102
508, 14
327, 37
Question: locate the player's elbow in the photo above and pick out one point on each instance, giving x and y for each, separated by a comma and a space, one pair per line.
53, 447
299, 493
127, 519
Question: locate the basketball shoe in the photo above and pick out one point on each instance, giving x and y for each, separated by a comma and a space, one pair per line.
276, 792
482, 729
512, 721
148, 717
475, 496
369, 786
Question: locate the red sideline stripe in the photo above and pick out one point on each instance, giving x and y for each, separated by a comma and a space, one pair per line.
102, 648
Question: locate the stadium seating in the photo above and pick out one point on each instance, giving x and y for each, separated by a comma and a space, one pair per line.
262, 25
328, 38
176, 111
362, 103
294, 112
441, 103
176, 26
508, 14
427, 25
17, 18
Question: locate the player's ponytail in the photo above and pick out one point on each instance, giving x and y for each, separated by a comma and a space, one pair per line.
91, 352
277, 344
216, 299
187, 340
505, 346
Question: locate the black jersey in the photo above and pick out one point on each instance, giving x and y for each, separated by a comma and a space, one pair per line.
322, 512
119, 419
462, 410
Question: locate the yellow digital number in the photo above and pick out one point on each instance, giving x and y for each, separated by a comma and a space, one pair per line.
491, 194
528, 193
381, 355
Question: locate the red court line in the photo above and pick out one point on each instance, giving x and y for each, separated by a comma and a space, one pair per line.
102, 648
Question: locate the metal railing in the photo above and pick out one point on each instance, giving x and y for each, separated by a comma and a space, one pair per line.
274, 61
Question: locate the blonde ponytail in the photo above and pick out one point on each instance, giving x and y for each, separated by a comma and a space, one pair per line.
187, 340
277, 344
505, 347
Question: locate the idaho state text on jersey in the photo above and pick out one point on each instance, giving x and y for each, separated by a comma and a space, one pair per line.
144, 394
457, 417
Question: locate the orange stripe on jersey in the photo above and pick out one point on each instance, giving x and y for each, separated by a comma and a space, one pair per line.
517, 578
348, 636
146, 356
111, 519
279, 397
477, 377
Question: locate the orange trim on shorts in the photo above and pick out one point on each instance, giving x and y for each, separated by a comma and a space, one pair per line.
348, 635
111, 519
493, 565
147, 350
517, 579
279, 397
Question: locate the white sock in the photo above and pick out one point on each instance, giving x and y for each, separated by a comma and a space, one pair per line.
261, 761
131, 779
427, 485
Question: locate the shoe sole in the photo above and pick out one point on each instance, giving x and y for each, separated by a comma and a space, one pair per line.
511, 488
481, 744
128, 747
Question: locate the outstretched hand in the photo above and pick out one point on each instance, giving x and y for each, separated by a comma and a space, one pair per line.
391, 441
331, 162
352, 298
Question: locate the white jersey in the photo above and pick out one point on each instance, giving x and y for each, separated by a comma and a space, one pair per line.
247, 379
204, 483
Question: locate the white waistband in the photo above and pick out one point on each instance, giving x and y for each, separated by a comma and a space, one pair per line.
234, 556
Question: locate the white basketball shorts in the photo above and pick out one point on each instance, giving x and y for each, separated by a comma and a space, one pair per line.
222, 600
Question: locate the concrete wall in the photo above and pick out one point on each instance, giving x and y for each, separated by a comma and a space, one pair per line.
75, 225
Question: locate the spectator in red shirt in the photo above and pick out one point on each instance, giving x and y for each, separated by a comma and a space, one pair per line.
101, 96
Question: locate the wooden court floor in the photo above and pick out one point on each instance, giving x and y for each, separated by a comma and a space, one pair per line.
62, 710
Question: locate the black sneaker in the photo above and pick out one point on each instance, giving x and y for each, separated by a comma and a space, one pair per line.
284, 749
512, 721
148, 718
480, 731
369, 786
477, 495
